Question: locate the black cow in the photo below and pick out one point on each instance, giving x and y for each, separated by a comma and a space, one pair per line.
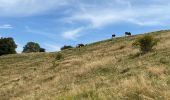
113, 35
128, 34
80, 45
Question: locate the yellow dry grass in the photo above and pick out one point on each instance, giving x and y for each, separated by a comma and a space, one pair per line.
107, 70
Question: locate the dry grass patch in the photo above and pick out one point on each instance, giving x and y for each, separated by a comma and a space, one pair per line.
157, 70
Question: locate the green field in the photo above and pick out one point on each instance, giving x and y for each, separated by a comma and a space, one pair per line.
105, 70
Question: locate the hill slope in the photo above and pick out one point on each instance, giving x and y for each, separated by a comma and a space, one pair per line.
100, 71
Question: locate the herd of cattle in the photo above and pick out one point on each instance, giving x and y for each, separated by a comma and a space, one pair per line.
126, 34
113, 36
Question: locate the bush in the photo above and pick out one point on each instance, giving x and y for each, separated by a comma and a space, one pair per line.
145, 43
66, 47
31, 47
7, 46
59, 56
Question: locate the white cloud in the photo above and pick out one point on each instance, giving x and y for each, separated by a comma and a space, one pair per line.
73, 34
52, 47
156, 12
40, 32
6, 26
102, 18
21, 8
97, 13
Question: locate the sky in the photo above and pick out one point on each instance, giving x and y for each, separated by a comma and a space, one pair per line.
55, 23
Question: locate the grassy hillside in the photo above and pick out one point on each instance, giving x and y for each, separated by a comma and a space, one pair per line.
105, 70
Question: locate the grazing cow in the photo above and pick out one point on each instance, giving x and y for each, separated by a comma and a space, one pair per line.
128, 34
80, 45
113, 35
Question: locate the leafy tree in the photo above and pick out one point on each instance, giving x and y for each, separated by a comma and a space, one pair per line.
7, 46
31, 47
66, 47
145, 43
42, 50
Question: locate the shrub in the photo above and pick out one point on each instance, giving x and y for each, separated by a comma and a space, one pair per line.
31, 47
59, 56
145, 43
7, 46
164, 60
66, 47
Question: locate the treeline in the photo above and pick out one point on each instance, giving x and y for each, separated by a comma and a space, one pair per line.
8, 46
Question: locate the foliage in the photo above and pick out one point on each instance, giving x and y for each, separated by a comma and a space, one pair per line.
31, 47
145, 43
66, 47
7, 46
42, 50
59, 56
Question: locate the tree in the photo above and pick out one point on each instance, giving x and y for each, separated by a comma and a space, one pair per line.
7, 46
31, 47
66, 47
42, 50
145, 43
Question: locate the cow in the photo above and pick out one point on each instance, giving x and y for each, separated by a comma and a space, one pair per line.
128, 34
113, 35
80, 45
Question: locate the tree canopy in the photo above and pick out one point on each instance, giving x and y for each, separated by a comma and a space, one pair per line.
7, 46
31, 47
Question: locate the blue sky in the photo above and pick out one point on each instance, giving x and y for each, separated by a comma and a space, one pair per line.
54, 23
